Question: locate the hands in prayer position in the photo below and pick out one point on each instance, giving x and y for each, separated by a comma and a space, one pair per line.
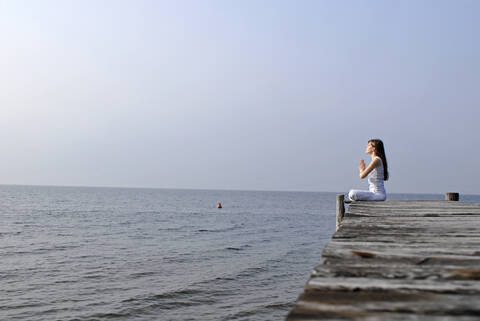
361, 166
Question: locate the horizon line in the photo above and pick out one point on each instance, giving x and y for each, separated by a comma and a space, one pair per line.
212, 189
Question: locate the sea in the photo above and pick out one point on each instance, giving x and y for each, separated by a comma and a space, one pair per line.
87, 253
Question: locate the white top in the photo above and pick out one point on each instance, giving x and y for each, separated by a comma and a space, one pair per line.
375, 179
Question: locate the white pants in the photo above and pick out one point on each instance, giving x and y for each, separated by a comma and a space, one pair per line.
359, 195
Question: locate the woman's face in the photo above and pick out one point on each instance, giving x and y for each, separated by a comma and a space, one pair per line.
369, 149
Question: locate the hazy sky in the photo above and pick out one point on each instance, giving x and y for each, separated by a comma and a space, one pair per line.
261, 95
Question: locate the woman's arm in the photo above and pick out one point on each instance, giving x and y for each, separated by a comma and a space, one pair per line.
365, 171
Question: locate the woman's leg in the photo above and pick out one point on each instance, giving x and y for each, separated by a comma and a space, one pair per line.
360, 195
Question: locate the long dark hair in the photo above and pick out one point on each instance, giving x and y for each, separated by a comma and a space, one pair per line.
380, 152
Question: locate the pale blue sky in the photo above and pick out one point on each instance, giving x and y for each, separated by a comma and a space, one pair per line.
261, 95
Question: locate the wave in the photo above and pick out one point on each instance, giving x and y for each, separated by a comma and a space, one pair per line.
240, 248
149, 212
267, 309
6, 234
173, 229
170, 300
225, 229
151, 305
233, 248
142, 274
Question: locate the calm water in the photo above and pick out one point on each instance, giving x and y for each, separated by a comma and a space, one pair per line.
154, 254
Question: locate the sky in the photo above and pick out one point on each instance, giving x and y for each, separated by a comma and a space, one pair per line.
248, 95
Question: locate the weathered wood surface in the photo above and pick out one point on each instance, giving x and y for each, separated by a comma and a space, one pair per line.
398, 260
452, 196
340, 209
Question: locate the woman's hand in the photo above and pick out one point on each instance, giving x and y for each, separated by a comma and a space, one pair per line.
361, 166
365, 171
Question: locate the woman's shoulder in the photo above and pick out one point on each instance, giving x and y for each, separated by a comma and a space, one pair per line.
378, 160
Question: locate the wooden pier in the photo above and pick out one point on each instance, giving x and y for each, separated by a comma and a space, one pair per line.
398, 260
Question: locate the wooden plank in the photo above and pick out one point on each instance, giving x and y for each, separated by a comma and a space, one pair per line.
398, 260
384, 306
398, 271
415, 212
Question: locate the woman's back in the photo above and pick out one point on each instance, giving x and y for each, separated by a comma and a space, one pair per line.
375, 179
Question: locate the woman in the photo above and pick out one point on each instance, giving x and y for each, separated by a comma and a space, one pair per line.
377, 172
